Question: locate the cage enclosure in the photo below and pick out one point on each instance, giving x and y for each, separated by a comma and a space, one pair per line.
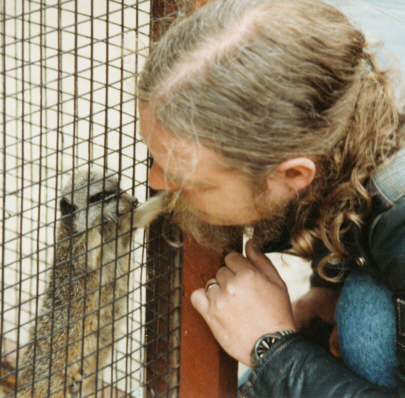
88, 307
68, 106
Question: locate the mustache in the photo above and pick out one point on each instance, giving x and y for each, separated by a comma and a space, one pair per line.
188, 218
177, 202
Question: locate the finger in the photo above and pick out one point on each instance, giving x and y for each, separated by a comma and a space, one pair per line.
236, 262
261, 261
210, 282
224, 274
224, 266
212, 288
200, 301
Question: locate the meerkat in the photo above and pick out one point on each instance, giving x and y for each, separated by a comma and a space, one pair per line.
86, 294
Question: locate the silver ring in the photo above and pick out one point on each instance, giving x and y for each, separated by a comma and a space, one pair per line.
209, 287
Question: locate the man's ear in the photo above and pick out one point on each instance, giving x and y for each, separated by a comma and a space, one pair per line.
297, 173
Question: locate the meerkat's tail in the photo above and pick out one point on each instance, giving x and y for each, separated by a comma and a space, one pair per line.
148, 211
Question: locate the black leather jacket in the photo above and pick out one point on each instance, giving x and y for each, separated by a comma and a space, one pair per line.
295, 367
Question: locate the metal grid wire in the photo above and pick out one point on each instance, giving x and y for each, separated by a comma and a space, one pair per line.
68, 72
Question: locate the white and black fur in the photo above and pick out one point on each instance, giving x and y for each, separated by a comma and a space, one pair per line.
86, 295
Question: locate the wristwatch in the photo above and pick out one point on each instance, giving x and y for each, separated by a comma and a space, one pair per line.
264, 344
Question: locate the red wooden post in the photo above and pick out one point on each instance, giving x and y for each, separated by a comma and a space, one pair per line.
183, 358
206, 370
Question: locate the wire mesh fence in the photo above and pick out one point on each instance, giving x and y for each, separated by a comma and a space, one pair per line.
68, 109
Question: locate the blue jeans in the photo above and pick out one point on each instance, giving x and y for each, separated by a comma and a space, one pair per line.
365, 316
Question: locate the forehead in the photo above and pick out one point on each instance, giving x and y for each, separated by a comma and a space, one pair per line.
175, 155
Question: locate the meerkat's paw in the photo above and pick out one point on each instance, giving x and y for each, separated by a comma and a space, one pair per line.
111, 217
76, 385
149, 210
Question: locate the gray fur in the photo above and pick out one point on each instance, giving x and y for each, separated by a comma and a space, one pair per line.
87, 289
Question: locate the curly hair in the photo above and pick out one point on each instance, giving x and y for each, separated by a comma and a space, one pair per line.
263, 81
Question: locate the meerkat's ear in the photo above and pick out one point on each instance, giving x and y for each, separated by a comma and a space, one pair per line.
66, 208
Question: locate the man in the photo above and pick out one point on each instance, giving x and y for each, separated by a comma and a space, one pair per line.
272, 116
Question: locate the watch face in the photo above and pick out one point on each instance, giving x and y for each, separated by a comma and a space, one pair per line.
264, 345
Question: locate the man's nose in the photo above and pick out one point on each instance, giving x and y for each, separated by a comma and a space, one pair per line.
158, 181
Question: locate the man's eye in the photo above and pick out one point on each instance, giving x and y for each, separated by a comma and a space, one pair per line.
101, 196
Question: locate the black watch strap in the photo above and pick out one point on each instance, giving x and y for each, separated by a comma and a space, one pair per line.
264, 344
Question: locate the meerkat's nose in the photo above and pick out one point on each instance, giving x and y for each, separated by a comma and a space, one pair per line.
133, 201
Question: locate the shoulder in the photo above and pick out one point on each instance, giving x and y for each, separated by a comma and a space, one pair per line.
388, 183
387, 187
386, 235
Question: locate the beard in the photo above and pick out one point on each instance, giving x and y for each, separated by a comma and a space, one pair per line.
274, 217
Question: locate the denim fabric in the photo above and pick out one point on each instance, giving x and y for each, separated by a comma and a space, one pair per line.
365, 316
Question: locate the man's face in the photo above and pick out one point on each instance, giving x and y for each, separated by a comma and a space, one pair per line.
206, 190
220, 196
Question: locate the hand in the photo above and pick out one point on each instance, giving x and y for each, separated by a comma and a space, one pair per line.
250, 301
318, 305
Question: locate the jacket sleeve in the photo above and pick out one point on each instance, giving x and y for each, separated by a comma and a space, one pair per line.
296, 368
387, 243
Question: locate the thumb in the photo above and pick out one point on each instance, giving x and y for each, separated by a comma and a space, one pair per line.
200, 301
261, 261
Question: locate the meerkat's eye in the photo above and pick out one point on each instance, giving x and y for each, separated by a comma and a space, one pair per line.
66, 207
102, 196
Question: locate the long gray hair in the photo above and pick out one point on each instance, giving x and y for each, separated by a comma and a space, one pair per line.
263, 81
